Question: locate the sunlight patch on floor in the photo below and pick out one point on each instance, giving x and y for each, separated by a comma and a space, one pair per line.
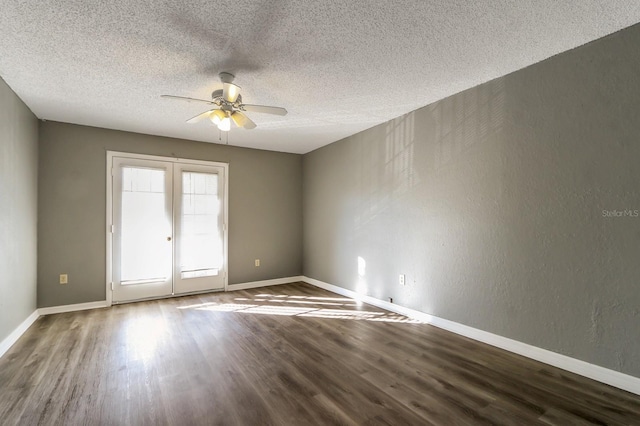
271, 304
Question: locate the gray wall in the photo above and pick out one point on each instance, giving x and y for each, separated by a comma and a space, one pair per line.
265, 207
491, 202
18, 210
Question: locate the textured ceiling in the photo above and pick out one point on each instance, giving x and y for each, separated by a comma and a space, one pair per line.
338, 66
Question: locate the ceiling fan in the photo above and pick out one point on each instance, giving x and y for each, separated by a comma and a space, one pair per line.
228, 106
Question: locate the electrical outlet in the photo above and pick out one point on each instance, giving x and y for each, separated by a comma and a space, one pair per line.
64, 278
401, 279
257, 262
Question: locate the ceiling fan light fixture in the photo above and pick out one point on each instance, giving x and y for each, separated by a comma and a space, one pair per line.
225, 124
217, 116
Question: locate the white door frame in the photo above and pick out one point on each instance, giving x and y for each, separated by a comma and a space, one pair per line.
109, 224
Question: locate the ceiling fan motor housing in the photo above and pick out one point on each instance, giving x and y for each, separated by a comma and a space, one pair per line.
217, 96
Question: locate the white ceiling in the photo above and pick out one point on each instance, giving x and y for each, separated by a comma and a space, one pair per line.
339, 67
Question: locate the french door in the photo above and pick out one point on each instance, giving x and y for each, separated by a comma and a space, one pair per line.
167, 231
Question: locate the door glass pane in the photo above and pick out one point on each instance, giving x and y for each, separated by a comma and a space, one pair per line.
145, 227
201, 240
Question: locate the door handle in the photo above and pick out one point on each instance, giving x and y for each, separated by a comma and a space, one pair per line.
168, 238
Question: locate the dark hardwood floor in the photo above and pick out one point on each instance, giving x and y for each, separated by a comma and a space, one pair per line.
283, 355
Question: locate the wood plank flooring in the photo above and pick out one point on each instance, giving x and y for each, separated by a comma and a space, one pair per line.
284, 355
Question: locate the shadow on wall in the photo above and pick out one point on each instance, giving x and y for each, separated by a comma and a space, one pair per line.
463, 121
421, 144
425, 186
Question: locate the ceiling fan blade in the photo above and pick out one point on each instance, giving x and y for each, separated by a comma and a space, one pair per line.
230, 92
242, 120
200, 117
264, 109
183, 98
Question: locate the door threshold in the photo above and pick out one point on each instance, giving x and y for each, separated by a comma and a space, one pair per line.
169, 296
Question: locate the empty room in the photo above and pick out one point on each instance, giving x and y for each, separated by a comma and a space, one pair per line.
300, 213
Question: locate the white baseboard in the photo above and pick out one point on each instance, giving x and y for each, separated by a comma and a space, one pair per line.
104, 303
19, 331
595, 372
264, 283
72, 308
